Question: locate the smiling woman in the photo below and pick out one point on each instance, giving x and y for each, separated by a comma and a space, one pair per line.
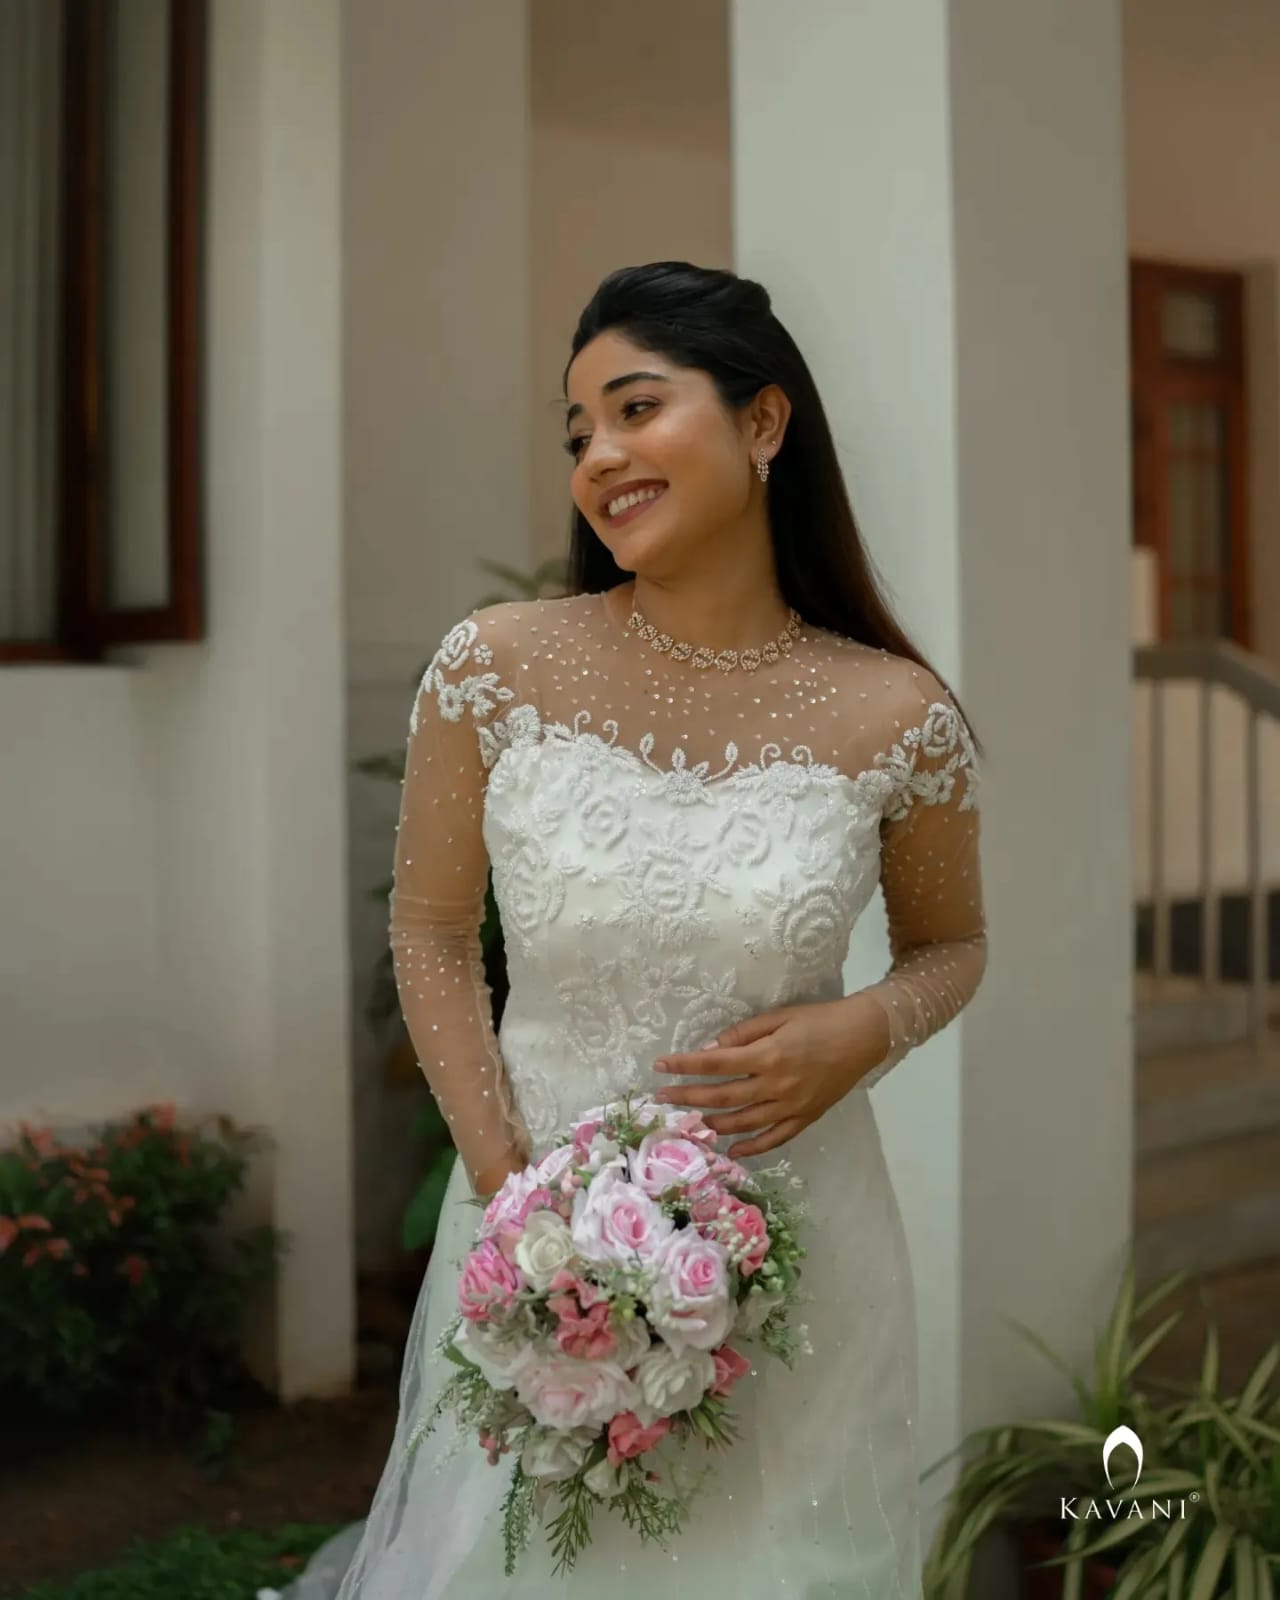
684, 818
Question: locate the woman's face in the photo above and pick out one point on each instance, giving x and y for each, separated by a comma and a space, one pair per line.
663, 435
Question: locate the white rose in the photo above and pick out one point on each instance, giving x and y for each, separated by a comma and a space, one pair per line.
605, 1479
614, 1222
499, 1357
669, 1381
544, 1247
554, 1455
632, 1340
564, 1392
603, 1153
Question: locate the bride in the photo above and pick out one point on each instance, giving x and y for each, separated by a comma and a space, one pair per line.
689, 776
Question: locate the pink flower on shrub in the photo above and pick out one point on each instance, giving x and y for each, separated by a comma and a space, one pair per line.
41, 1140
488, 1282
59, 1249
134, 1268
629, 1437
35, 1224
9, 1231
33, 1255
730, 1366
164, 1116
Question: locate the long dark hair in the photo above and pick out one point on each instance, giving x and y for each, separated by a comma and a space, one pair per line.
724, 325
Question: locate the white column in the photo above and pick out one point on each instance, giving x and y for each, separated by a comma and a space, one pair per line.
934, 195
253, 767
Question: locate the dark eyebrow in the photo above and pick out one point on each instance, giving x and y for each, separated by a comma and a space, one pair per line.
617, 383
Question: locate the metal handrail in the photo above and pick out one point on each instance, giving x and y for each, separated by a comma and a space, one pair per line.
1212, 664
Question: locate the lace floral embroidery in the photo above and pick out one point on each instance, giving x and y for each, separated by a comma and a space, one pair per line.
481, 691
942, 734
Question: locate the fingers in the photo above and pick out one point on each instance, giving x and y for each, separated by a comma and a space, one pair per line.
748, 1119
720, 1054
784, 1130
735, 1093
704, 1063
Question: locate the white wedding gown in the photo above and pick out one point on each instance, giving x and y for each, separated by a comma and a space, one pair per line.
674, 850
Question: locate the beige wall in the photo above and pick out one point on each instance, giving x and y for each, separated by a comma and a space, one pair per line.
1202, 111
630, 152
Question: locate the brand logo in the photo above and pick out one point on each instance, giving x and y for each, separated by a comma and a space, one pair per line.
1078, 1509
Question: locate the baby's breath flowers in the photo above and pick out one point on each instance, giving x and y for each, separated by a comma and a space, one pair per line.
596, 1308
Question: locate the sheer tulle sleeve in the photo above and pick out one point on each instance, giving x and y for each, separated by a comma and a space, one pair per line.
437, 900
931, 878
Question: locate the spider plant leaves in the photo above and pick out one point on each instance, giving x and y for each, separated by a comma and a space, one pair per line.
1156, 1337
1212, 1560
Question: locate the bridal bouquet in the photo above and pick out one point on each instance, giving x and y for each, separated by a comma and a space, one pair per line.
597, 1308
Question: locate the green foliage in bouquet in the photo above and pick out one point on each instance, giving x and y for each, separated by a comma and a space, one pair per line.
1211, 1458
422, 1218
653, 1505
119, 1294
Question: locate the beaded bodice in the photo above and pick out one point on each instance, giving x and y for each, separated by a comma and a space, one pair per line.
671, 852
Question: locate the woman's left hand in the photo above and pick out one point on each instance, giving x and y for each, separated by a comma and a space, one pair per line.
783, 1068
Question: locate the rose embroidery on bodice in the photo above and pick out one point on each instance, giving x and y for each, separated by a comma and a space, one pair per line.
647, 904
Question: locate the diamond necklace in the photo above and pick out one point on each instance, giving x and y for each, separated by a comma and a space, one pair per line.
703, 656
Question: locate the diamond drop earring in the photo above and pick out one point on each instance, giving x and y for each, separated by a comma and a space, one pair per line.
762, 466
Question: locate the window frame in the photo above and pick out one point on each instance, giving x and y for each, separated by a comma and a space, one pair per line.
1160, 379
86, 622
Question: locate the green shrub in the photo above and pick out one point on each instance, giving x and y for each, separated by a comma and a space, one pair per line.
197, 1565
119, 1292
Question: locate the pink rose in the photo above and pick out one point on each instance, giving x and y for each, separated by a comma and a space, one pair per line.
730, 1366
629, 1437
585, 1335
691, 1126
511, 1203
566, 1281
615, 1222
563, 1392
728, 1171
553, 1165
488, 1282
705, 1199
690, 1303
744, 1229
665, 1159
583, 1134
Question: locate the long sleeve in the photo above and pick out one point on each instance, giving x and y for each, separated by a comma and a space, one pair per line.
437, 902
931, 878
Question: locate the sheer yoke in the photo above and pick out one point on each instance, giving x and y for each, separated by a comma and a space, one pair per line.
672, 848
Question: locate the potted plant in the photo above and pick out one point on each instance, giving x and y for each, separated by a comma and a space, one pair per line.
1206, 1493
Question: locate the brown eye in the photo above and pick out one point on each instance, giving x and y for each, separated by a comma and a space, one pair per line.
574, 447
